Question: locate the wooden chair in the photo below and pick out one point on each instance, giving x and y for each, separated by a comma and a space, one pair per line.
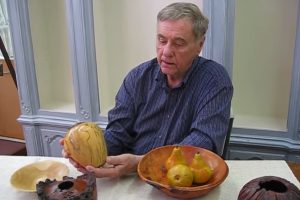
227, 138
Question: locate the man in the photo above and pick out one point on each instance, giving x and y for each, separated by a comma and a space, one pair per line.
176, 98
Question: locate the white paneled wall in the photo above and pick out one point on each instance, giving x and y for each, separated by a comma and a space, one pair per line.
265, 34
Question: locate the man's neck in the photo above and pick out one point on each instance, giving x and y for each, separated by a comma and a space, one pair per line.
174, 82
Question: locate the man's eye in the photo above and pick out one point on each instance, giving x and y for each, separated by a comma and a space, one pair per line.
179, 43
162, 41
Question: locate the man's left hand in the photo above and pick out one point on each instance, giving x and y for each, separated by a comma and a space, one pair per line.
115, 166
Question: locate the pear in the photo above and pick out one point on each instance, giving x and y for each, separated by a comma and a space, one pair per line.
180, 175
202, 172
175, 158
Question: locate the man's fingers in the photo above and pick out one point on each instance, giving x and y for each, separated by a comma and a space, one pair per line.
104, 172
64, 154
82, 170
115, 160
61, 141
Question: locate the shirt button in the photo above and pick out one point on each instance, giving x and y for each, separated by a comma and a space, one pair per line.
159, 136
168, 116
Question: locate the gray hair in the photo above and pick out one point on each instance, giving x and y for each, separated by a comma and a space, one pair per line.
181, 10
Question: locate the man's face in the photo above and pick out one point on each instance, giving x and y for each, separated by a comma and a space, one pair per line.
176, 47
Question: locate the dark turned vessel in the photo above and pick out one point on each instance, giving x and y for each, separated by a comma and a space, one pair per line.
81, 188
269, 188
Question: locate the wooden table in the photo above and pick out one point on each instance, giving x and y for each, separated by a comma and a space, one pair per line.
295, 167
133, 188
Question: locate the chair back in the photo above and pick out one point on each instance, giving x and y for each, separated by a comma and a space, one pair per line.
227, 138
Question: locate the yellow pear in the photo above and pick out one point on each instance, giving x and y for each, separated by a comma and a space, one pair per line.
175, 158
202, 172
180, 175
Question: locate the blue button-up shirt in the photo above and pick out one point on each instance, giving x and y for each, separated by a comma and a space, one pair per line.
149, 114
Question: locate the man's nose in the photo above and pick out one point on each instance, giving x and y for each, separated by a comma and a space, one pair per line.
168, 50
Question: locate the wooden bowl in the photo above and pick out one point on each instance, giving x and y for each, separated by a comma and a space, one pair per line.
26, 178
151, 169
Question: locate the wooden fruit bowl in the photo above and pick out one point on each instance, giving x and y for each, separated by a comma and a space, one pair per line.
151, 169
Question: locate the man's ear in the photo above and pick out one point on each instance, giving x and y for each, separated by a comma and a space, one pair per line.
201, 43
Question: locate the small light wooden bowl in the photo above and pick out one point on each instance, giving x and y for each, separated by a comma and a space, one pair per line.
151, 169
26, 178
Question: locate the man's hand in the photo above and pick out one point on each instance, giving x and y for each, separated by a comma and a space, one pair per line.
116, 166
67, 155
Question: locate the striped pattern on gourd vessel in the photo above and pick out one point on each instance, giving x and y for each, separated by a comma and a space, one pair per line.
85, 144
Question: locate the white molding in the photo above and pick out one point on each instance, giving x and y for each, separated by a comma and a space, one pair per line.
207, 11
243, 146
265, 141
84, 67
34, 145
219, 37
24, 59
294, 105
229, 36
47, 120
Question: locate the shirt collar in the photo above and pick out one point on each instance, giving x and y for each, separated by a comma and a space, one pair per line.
160, 77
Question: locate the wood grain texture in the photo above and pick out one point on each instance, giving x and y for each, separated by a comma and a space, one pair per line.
295, 167
10, 106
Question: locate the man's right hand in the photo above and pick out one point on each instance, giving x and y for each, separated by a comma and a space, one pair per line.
67, 155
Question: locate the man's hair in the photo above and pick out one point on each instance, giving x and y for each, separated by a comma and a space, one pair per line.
181, 10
